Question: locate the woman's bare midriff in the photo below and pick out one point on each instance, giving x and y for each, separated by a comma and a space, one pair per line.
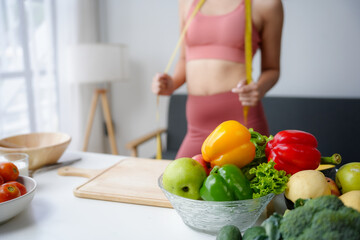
211, 76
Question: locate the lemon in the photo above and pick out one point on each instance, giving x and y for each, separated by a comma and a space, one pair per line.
307, 184
351, 199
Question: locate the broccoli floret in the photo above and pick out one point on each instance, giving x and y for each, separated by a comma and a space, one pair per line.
327, 202
321, 218
294, 223
272, 225
343, 224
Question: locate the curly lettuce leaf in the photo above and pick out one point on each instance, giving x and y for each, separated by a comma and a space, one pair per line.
253, 164
268, 180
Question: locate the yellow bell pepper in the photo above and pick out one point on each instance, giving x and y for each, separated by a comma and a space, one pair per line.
229, 143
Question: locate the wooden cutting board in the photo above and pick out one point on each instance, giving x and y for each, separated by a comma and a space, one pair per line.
131, 180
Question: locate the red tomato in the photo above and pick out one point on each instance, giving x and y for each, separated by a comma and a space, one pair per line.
8, 191
9, 171
20, 186
1, 180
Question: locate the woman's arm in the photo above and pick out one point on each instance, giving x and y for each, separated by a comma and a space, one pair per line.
270, 13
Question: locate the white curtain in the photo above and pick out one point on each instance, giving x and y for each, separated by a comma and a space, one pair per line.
27, 68
77, 22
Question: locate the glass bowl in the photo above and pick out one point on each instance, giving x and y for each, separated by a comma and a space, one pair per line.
210, 216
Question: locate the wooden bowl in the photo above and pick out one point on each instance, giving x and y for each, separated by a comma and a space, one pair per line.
42, 148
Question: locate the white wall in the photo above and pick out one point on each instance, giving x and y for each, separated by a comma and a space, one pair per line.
150, 36
320, 53
320, 50
77, 22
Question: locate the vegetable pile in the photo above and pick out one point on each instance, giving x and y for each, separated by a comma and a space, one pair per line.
234, 164
240, 163
237, 163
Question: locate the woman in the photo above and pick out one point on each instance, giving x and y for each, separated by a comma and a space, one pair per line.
212, 63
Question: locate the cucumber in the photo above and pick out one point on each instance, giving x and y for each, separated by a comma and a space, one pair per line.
229, 232
257, 232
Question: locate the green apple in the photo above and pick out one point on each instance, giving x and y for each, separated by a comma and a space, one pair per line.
348, 177
184, 177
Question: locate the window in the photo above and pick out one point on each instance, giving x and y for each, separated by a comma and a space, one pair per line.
28, 83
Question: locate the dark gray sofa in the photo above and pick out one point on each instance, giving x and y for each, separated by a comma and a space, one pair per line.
335, 122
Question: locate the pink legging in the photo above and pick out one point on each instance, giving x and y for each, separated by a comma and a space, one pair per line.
205, 113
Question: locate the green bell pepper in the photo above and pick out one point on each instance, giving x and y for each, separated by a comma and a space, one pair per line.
226, 183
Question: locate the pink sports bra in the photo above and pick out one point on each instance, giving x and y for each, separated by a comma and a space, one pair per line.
219, 36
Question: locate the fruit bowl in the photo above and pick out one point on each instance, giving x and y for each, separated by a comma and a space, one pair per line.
42, 148
210, 216
11, 208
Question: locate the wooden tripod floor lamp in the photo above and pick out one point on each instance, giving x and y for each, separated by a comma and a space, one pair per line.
98, 64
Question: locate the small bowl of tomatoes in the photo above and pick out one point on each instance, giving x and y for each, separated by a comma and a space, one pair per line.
16, 192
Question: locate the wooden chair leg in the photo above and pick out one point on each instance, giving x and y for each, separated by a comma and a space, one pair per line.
134, 152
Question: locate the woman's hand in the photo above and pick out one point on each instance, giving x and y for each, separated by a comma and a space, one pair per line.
249, 94
162, 84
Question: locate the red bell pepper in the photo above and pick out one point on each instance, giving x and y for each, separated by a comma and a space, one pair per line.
293, 151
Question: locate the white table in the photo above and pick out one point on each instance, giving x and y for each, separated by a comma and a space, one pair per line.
55, 213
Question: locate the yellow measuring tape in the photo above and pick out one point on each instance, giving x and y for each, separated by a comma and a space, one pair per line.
178, 44
248, 51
